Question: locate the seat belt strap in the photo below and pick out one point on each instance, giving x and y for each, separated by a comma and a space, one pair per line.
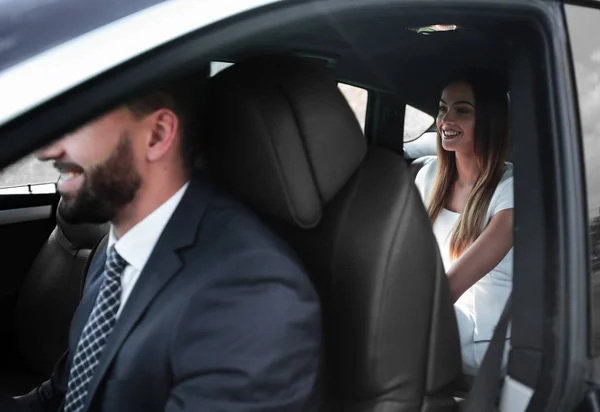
487, 384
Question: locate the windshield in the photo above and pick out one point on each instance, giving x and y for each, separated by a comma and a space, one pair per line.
30, 27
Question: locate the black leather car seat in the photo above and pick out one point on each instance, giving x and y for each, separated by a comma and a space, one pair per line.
283, 139
47, 301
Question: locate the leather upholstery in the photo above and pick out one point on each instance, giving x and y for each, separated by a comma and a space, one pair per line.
81, 236
283, 159
391, 335
48, 299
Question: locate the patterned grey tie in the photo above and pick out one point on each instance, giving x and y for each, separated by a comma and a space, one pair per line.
95, 333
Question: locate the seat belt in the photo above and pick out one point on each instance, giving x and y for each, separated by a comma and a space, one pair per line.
486, 387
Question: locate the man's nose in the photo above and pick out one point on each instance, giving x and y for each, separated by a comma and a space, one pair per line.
51, 151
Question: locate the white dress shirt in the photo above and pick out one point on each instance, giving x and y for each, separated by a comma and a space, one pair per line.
136, 245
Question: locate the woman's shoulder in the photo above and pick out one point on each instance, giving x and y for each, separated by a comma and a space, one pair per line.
503, 197
429, 170
507, 178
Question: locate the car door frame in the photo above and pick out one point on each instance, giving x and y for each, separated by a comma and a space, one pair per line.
558, 189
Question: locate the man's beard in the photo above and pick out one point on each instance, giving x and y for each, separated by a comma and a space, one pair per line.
106, 189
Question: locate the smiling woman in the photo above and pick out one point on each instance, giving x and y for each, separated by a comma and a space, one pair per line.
469, 196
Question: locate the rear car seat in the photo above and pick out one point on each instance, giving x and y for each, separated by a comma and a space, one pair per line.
47, 301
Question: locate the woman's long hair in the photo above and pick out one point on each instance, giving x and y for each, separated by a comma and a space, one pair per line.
491, 146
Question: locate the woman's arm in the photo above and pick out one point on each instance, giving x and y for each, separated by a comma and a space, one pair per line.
483, 255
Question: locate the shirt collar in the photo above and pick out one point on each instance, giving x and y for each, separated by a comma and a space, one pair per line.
136, 245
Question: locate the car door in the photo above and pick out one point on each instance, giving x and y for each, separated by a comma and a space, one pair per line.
28, 201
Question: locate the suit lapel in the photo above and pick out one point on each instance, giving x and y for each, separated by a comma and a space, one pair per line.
160, 268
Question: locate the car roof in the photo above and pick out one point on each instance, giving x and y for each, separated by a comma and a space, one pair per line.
30, 27
45, 45
389, 56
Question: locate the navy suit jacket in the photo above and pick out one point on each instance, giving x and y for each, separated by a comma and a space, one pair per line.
222, 318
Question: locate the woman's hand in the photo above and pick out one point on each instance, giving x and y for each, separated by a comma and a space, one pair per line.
483, 255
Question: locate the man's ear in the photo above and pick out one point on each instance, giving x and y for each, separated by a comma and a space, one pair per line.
164, 128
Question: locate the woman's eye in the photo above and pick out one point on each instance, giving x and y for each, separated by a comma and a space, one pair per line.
464, 110
442, 109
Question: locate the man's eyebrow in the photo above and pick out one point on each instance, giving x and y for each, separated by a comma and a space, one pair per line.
459, 102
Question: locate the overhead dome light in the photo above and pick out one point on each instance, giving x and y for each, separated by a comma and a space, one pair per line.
434, 28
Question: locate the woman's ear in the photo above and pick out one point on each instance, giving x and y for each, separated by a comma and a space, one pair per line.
164, 129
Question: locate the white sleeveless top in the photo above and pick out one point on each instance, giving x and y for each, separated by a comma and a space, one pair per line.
485, 300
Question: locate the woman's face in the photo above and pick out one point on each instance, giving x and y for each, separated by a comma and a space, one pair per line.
456, 118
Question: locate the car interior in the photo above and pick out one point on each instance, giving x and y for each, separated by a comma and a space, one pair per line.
281, 137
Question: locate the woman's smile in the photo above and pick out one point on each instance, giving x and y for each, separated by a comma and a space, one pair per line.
449, 133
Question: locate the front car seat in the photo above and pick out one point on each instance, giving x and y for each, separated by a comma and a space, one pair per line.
283, 139
47, 301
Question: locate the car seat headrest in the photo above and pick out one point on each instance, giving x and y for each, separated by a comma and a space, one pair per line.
81, 236
282, 136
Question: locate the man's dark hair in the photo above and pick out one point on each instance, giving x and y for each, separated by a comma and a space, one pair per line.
185, 97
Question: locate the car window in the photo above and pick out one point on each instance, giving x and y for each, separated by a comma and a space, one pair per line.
358, 99
216, 67
28, 175
416, 122
419, 140
584, 32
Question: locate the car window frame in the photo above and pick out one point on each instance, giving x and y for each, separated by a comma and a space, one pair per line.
101, 92
592, 218
44, 76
